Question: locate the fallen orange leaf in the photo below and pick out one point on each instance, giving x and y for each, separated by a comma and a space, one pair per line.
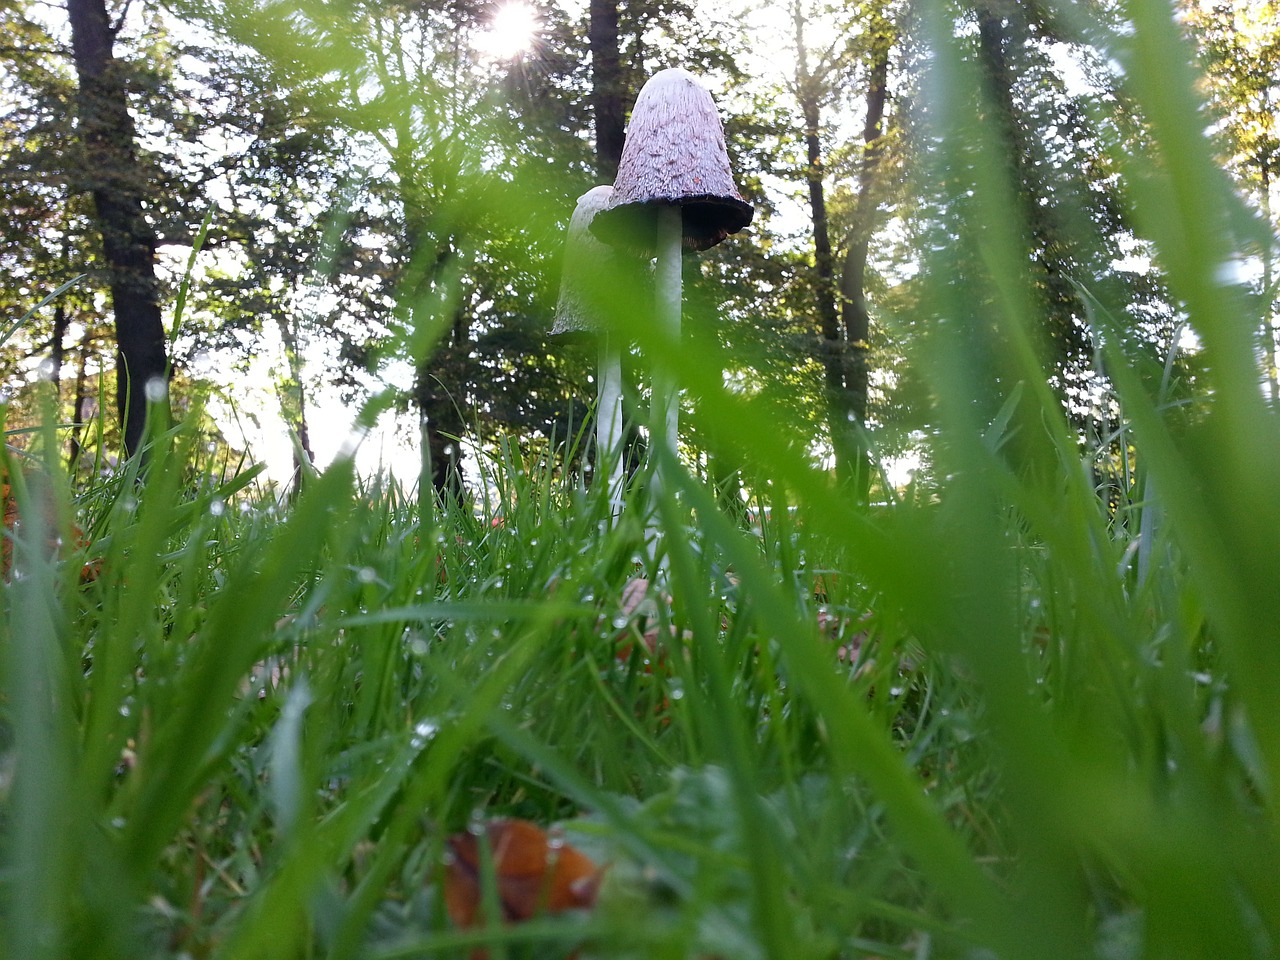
534, 875
10, 521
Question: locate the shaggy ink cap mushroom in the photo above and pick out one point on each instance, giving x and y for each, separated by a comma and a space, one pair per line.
674, 155
584, 256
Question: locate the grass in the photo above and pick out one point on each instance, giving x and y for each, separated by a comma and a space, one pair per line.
1008, 720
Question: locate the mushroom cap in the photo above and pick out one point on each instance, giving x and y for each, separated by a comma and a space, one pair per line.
674, 154
584, 256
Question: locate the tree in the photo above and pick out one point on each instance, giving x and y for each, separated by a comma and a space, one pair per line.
47, 237
880, 34
607, 90
1240, 46
813, 90
113, 176
863, 41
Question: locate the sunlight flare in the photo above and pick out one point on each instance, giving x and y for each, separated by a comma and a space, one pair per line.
511, 32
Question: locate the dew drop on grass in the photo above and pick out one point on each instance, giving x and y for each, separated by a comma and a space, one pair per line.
418, 647
423, 732
217, 506
366, 575
619, 621
675, 690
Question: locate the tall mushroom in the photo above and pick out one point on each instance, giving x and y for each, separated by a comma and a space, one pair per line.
674, 190
579, 310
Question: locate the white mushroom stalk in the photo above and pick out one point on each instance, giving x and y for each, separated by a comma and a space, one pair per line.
674, 191
579, 310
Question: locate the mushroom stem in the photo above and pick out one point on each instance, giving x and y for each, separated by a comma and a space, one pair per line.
668, 287
668, 300
609, 420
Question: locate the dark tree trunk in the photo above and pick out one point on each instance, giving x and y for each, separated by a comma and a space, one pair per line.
608, 107
58, 345
293, 403
78, 405
1000, 27
435, 352
1002, 30
840, 420
840, 413
115, 178
442, 424
853, 304
607, 93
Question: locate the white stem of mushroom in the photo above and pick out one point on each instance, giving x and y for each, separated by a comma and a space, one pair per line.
669, 284
668, 300
609, 420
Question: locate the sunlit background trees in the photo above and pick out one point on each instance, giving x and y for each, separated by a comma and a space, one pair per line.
330, 187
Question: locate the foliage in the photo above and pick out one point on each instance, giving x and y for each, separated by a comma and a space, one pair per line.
997, 715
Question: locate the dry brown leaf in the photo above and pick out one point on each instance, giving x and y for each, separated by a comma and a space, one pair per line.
534, 874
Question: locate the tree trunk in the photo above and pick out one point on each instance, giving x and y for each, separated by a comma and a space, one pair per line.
1000, 28
606, 86
608, 107
832, 354
293, 402
441, 421
117, 182
853, 306
58, 345
78, 405
435, 351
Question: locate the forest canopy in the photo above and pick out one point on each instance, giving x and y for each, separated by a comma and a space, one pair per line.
309, 204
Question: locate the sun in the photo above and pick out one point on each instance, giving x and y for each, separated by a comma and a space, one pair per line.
511, 31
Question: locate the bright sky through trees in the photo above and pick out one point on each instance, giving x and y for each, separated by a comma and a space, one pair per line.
511, 31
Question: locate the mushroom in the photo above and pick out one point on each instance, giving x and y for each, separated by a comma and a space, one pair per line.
584, 256
578, 310
674, 157
674, 189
